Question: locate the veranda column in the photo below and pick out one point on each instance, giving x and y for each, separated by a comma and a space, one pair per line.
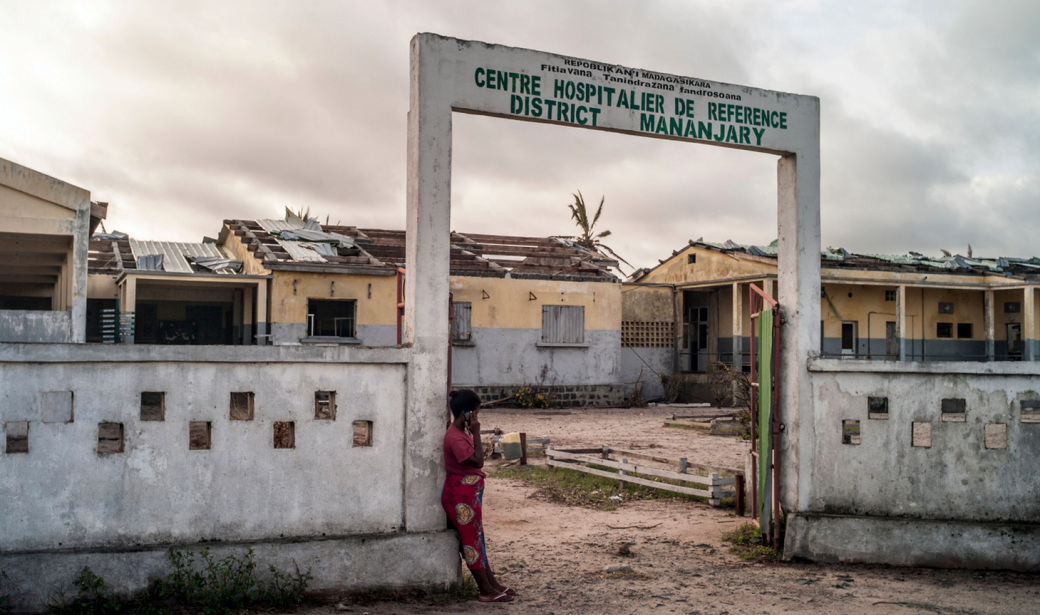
990, 323
738, 327
901, 320
1028, 324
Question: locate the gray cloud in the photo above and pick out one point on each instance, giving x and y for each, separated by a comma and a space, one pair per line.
183, 114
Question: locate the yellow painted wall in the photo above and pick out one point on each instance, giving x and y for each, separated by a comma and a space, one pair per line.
646, 304
857, 308
511, 307
102, 286
1001, 318
379, 309
710, 265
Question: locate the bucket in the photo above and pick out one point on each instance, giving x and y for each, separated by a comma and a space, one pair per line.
510, 444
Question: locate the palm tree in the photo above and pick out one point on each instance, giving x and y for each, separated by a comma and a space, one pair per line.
589, 238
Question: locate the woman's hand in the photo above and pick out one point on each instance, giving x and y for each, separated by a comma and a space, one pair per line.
474, 421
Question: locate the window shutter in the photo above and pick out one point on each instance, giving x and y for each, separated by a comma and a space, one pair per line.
563, 324
460, 323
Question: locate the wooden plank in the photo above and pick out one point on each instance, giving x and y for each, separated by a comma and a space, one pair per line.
687, 424
637, 469
631, 479
696, 466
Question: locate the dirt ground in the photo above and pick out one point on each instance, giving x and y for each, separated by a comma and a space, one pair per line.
554, 555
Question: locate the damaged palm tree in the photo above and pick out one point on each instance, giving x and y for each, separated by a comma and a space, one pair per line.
589, 238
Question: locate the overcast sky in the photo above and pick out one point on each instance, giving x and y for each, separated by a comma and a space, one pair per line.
183, 114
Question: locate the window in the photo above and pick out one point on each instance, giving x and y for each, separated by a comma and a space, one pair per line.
890, 295
153, 406
200, 435
964, 331
285, 434
996, 435
944, 330
461, 331
921, 435
325, 405
362, 433
563, 324
110, 438
946, 308
850, 432
17, 437
1012, 307
954, 410
242, 406
331, 317
1030, 411
877, 408
691, 259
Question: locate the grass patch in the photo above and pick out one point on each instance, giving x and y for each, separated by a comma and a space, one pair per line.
573, 488
747, 544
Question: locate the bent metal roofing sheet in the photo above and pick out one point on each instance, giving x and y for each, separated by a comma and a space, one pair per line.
174, 253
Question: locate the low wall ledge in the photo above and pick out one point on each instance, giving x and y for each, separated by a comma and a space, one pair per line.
863, 366
130, 353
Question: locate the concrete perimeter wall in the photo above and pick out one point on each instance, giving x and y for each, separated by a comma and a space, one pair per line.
67, 505
887, 500
35, 326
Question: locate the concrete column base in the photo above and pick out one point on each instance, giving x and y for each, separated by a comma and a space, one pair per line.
341, 564
837, 539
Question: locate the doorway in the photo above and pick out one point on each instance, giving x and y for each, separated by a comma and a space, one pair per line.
891, 342
1014, 341
848, 339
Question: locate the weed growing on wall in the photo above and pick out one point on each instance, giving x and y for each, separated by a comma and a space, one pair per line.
4, 598
90, 598
220, 587
199, 582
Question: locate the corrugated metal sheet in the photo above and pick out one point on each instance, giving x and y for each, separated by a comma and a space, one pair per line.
563, 324
460, 321
174, 252
277, 225
301, 251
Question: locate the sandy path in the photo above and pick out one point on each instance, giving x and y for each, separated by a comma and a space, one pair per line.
554, 555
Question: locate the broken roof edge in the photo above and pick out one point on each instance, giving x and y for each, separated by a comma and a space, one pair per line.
839, 258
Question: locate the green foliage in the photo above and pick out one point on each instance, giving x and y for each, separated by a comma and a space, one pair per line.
220, 587
589, 238
90, 598
198, 582
531, 397
747, 543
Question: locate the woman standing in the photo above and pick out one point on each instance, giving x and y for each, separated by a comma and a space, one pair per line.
464, 492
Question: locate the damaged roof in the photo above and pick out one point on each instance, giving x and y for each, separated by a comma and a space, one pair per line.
115, 253
309, 246
911, 262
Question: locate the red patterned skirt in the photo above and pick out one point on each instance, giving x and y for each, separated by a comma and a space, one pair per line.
461, 499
